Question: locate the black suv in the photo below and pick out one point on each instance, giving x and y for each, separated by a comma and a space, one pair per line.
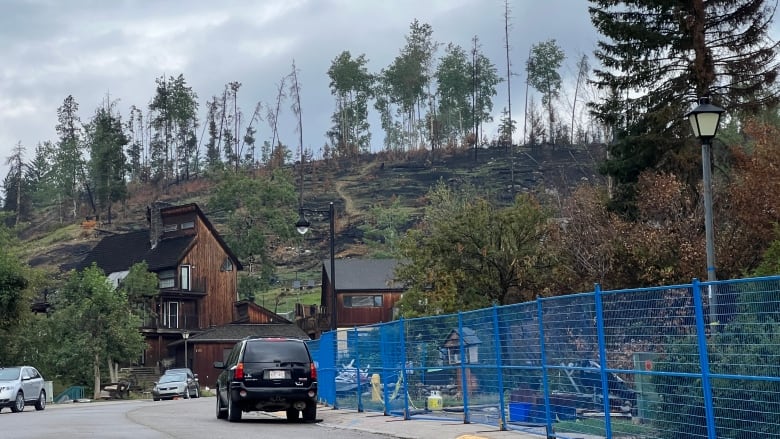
267, 374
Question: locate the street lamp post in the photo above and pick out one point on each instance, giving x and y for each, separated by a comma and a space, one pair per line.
302, 225
705, 119
185, 335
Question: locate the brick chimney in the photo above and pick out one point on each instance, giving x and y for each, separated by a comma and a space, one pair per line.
154, 220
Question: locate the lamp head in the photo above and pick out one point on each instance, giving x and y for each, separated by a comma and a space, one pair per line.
302, 225
705, 119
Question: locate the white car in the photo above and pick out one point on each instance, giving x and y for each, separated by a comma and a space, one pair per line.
21, 385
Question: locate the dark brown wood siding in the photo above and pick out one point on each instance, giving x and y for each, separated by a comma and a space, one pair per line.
204, 356
348, 316
206, 258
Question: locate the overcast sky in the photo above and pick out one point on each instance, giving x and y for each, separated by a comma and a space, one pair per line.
93, 48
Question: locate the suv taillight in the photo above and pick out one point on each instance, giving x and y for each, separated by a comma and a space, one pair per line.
238, 372
313, 372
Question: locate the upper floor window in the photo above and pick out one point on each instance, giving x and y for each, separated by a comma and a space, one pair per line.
167, 278
362, 301
227, 264
170, 227
187, 225
185, 277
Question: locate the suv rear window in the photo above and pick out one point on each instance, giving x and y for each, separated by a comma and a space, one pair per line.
268, 351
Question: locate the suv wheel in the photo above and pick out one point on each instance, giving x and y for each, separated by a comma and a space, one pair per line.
18, 403
292, 415
197, 393
221, 411
310, 412
40, 404
233, 412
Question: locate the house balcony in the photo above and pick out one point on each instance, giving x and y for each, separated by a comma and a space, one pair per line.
156, 324
197, 290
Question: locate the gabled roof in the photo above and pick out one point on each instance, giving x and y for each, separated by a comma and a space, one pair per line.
236, 332
194, 207
469, 338
364, 274
119, 252
243, 307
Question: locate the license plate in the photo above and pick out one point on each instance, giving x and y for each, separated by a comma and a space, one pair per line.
276, 375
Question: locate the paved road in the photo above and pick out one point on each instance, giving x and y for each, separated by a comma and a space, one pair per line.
145, 419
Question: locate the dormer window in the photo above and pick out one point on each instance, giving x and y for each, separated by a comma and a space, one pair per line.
227, 265
170, 228
167, 278
188, 225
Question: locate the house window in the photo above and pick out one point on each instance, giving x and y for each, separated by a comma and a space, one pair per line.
227, 265
172, 314
167, 278
170, 227
362, 301
188, 225
185, 277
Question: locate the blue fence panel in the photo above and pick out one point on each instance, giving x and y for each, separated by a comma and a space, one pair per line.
744, 357
325, 356
685, 361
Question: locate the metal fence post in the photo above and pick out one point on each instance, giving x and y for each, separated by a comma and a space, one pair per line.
704, 360
499, 369
603, 359
357, 371
383, 337
545, 378
403, 370
463, 370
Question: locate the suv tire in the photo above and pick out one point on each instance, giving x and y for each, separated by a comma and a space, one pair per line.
310, 412
221, 411
233, 412
292, 415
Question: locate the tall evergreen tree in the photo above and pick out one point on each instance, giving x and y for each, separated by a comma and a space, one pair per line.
17, 193
213, 156
39, 174
136, 150
174, 121
657, 57
69, 159
108, 166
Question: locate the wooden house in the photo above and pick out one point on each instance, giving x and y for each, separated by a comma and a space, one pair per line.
198, 282
366, 293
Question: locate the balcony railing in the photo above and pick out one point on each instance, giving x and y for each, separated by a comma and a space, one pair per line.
185, 321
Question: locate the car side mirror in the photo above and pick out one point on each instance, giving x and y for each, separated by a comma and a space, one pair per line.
219, 365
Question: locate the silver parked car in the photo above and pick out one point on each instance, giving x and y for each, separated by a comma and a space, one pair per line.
176, 383
21, 385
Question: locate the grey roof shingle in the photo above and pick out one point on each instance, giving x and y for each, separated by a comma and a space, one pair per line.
119, 252
236, 332
364, 274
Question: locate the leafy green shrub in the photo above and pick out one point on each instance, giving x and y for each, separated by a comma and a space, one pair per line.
744, 408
